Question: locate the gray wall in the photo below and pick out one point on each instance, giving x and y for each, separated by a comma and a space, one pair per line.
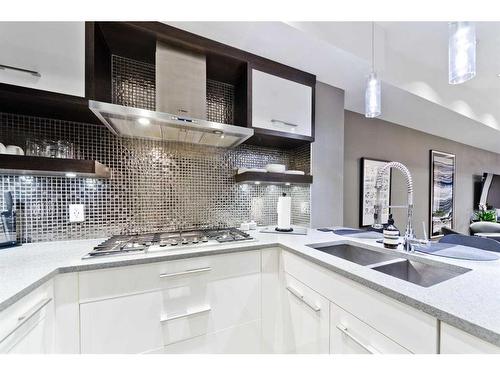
327, 157
384, 140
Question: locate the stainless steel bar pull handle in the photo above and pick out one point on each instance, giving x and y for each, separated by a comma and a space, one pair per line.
346, 332
22, 319
300, 296
185, 315
283, 122
27, 71
187, 272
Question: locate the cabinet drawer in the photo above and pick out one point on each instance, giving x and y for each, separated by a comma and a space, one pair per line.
456, 341
242, 339
196, 309
147, 321
28, 325
113, 282
412, 329
349, 335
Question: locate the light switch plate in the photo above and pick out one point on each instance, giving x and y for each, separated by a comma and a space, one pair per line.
76, 213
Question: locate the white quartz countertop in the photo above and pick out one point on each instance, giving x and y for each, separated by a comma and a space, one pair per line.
470, 301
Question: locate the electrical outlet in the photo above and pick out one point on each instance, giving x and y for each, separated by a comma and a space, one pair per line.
76, 213
304, 207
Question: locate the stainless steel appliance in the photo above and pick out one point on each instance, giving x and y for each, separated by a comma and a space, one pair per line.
166, 241
8, 233
180, 106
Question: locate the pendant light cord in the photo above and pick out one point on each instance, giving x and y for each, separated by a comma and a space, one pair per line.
373, 46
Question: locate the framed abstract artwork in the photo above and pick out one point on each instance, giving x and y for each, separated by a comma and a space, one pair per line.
442, 192
369, 170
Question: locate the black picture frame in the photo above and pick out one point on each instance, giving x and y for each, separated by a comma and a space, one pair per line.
442, 211
364, 206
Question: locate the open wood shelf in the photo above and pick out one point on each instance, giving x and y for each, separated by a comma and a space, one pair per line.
42, 166
273, 178
39, 103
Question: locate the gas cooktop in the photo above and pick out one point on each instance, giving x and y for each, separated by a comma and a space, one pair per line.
158, 241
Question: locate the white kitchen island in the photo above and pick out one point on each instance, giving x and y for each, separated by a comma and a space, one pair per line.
271, 295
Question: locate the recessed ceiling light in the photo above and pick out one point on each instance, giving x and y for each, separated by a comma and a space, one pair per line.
287, 183
70, 174
498, 75
257, 182
143, 121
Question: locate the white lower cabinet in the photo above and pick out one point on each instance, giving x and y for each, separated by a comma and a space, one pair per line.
305, 319
124, 325
349, 335
27, 327
192, 299
408, 327
268, 301
456, 341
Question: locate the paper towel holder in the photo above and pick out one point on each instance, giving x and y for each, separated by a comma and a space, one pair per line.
285, 229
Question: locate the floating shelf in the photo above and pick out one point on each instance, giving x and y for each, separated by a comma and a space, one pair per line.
42, 166
273, 178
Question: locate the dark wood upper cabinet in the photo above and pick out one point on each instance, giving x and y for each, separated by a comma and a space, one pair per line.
229, 74
225, 65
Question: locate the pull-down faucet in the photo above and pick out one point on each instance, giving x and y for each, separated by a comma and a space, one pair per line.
409, 237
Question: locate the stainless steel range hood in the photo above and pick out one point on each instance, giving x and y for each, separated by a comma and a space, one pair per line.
141, 123
181, 101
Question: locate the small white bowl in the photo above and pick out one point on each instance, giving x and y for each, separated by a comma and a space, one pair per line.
276, 168
243, 170
14, 150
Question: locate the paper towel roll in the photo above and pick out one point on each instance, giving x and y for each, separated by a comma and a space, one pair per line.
284, 212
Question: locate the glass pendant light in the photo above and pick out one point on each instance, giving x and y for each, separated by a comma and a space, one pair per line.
461, 52
373, 102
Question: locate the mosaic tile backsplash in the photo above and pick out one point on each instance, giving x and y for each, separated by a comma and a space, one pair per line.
134, 85
154, 185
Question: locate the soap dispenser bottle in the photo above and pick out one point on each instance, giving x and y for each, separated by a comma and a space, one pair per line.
391, 234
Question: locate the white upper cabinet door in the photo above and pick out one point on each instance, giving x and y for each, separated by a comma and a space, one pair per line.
56, 50
280, 104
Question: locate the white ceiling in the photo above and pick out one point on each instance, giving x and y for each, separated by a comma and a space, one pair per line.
411, 58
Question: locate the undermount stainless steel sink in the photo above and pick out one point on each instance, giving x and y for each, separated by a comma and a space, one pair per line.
354, 254
420, 273
413, 271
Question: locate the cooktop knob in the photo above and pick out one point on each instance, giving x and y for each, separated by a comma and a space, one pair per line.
204, 239
195, 240
174, 243
185, 241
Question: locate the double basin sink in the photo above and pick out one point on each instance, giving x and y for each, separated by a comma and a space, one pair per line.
413, 271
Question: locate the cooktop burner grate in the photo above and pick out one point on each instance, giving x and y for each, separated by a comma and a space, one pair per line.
126, 244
